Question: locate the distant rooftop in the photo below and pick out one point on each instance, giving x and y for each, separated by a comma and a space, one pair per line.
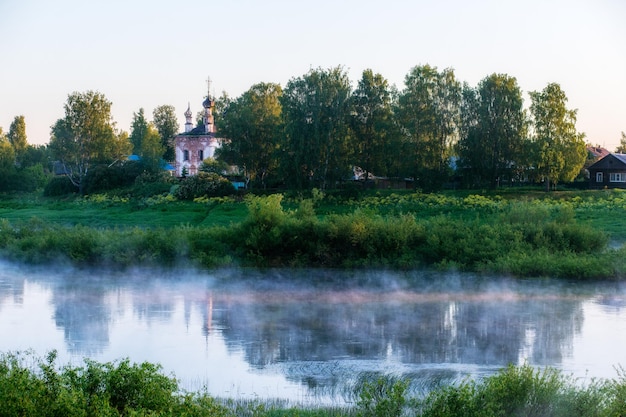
598, 152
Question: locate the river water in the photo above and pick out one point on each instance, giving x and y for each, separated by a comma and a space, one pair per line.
309, 336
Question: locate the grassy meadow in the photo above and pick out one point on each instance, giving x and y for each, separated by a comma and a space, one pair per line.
571, 234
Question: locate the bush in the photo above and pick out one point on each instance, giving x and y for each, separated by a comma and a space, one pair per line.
204, 184
59, 186
26, 179
384, 397
525, 392
30, 386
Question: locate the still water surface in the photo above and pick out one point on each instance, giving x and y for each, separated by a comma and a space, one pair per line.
310, 335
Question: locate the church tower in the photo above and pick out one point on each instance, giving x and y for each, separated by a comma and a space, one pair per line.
208, 105
197, 143
188, 116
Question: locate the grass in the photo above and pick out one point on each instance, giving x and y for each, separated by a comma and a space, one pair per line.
520, 233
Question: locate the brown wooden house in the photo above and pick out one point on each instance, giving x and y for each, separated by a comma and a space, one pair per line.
608, 172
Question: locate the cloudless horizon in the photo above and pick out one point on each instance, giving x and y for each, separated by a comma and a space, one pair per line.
143, 54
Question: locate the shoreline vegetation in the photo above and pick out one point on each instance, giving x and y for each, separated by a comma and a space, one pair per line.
524, 233
566, 234
33, 386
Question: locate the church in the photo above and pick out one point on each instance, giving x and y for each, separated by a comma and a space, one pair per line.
197, 143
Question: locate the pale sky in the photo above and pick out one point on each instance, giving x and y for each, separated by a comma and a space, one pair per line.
146, 53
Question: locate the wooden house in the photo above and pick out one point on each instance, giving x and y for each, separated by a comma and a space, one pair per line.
608, 172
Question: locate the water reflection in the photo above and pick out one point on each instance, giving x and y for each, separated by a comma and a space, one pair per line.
291, 333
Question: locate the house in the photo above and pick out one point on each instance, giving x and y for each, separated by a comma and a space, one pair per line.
608, 172
597, 152
197, 143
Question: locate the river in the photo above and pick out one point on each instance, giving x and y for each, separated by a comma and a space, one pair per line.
308, 336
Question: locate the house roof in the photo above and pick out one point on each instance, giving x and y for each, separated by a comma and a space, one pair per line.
196, 131
598, 152
613, 161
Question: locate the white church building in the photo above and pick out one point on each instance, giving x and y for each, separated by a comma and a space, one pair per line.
197, 143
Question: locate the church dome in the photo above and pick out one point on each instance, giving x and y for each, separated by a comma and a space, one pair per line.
208, 103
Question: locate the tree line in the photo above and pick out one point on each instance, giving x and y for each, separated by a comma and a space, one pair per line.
436, 130
317, 129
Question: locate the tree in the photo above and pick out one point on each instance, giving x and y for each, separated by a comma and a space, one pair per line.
166, 123
315, 109
622, 144
17, 137
151, 150
370, 121
428, 111
561, 150
7, 159
493, 130
138, 130
86, 135
252, 125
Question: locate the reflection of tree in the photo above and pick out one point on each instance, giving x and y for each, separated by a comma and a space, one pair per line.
481, 332
153, 306
83, 313
12, 290
557, 323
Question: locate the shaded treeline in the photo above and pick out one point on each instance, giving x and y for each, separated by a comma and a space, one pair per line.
473, 233
318, 130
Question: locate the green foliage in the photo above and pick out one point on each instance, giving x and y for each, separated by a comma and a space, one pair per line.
384, 397
30, 386
315, 109
398, 230
166, 123
27, 179
252, 124
493, 130
560, 149
204, 184
17, 137
524, 391
371, 124
59, 186
86, 135
428, 111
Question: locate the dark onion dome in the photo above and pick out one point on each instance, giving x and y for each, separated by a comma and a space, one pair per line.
208, 103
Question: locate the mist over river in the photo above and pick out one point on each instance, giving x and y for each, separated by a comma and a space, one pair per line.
309, 335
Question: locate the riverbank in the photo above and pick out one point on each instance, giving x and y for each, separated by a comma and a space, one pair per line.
573, 235
31, 386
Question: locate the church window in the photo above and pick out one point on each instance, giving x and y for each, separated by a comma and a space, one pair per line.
185, 155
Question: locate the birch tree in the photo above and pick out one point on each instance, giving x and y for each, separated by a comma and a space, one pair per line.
86, 136
560, 148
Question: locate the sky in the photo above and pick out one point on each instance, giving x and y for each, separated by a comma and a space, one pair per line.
147, 53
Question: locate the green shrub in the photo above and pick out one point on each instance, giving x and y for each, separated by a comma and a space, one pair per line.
384, 397
522, 391
451, 401
59, 186
204, 184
